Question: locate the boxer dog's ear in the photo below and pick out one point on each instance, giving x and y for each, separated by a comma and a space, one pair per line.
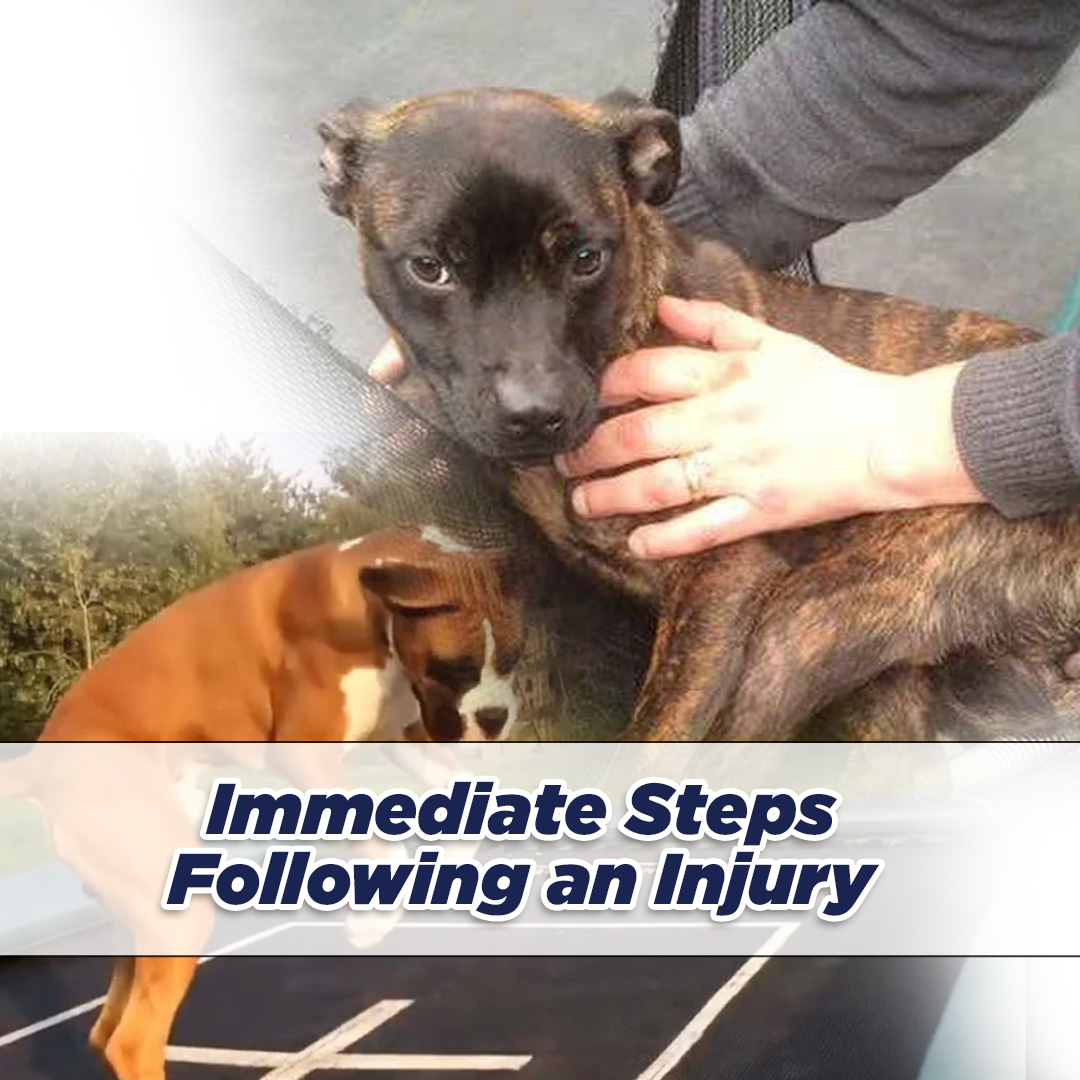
346, 135
411, 588
650, 146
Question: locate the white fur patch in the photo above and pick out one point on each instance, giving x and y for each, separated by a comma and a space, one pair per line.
493, 691
379, 702
363, 689
434, 535
351, 543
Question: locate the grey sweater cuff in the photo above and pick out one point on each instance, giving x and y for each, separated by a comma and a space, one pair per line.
1016, 415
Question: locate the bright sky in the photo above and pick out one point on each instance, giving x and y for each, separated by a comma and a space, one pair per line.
290, 452
101, 328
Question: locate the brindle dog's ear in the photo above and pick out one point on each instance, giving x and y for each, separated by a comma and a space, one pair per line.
345, 135
649, 143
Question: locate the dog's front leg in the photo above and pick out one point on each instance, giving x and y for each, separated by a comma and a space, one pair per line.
116, 999
136, 1047
707, 616
897, 706
322, 765
145, 993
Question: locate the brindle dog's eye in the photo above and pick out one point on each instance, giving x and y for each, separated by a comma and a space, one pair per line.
588, 261
430, 271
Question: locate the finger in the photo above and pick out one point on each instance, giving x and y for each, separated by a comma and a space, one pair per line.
669, 374
658, 486
710, 323
648, 434
388, 366
722, 521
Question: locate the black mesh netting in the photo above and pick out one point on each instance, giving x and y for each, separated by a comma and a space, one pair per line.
703, 43
295, 382
587, 648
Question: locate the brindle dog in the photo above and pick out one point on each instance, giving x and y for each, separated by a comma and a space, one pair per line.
512, 242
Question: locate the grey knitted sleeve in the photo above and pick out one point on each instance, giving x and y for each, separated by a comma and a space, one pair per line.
855, 107
852, 109
1016, 415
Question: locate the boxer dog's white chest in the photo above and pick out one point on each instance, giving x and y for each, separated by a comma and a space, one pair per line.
379, 703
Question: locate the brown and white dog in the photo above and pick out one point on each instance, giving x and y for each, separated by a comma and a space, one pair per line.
404, 635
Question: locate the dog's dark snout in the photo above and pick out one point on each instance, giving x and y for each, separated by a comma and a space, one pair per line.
491, 720
530, 413
534, 422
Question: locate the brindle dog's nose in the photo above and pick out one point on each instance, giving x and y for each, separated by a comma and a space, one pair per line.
491, 721
530, 413
534, 424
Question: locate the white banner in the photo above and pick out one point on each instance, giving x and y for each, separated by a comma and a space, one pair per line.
574, 849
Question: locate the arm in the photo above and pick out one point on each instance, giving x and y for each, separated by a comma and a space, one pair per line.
1016, 415
855, 107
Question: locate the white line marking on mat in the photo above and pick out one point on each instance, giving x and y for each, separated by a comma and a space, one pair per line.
690, 1035
324, 1053
243, 943
240, 1059
253, 1059
430, 1062
52, 1021
307, 1061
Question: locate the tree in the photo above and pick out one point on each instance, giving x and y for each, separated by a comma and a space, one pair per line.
99, 532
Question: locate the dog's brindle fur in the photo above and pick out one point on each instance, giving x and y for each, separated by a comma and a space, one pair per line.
915, 610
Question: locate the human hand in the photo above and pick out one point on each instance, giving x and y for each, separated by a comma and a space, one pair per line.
388, 366
767, 431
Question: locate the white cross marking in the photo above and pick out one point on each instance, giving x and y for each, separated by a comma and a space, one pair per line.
690, 1035
325, 1053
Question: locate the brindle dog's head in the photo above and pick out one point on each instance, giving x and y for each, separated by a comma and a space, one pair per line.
505, 237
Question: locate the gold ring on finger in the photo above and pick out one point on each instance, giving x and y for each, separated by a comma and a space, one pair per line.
695, 472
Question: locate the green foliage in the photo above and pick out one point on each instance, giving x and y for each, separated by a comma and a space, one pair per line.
98, 532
